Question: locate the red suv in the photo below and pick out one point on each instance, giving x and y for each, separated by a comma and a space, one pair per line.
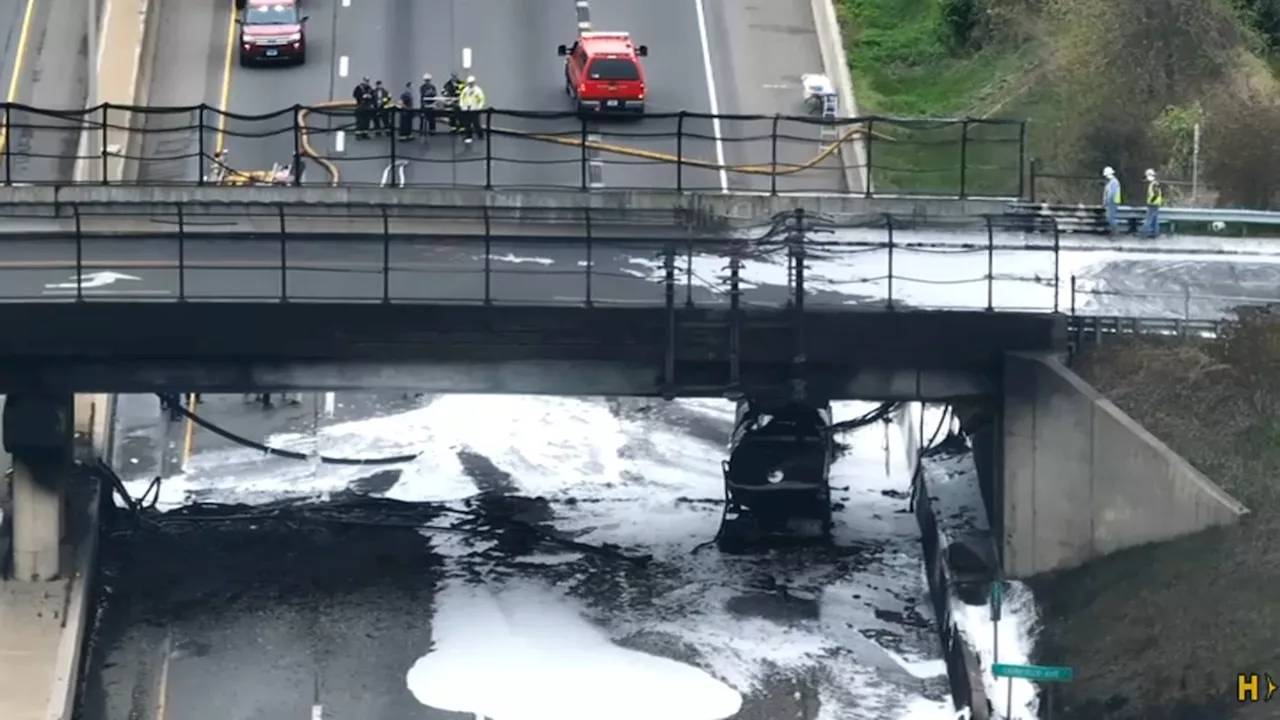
272, 30
602, 72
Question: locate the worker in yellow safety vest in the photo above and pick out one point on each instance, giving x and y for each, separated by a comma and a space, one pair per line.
471, 102
1155, 201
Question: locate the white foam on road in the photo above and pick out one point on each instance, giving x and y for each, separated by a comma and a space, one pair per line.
952, 483
525, 652
651, 482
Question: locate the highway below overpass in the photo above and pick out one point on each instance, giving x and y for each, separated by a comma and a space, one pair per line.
704, 57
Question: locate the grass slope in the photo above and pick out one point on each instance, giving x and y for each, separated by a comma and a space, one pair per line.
901, 67
1162, 631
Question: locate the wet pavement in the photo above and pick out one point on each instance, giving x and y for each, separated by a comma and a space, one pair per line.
270, 618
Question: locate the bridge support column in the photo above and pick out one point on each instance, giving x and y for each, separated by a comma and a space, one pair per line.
39, 433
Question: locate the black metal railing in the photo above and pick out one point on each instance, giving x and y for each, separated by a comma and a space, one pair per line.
1044, 185
675, 151
278, 253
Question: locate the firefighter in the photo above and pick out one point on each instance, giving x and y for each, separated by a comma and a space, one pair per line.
363, 95
406, 112
427, 96
451, 91
471, 102
382, 109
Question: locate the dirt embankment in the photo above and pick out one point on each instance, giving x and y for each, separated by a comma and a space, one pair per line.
1162, 631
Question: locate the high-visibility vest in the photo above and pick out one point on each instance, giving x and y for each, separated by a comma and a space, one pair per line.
1155, 194
472, 98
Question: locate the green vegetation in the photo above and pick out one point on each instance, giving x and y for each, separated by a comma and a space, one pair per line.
1099, 83
1161, 631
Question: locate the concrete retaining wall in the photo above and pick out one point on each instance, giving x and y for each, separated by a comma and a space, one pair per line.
1083, 480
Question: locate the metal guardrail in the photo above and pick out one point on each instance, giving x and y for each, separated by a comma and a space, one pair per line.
471, 256
1093, 217
177, 145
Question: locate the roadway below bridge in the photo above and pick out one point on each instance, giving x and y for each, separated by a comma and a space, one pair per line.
705, 58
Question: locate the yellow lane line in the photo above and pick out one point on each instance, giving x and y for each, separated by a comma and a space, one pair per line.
15, 78
162, 692
224, 97
661, 157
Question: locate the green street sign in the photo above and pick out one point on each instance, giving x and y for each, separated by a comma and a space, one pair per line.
1038, 673
997, 599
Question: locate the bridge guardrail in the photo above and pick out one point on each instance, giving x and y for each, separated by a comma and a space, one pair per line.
883, 261
523, 149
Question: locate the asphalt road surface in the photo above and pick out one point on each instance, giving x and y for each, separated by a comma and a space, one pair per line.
50, 74
541, 272
244, 622
753, 57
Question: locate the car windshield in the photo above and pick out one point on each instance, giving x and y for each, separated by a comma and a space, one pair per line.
613, 69
271, 15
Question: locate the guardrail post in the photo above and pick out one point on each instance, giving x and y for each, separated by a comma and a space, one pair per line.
488, 148
284, 256
582, 143
488, 256
586, 223
871, 166
735, 317
1031, 179
75, 210
102, 144
773, 156
200, 138
991, 266
888, 219
680, 152
386, 255
8, 156
297, 144
394, 132
1057, 265
1073, 295
182, 255
796, 250
1186, 302
964, 155
669, 283
1022, 155
688, 273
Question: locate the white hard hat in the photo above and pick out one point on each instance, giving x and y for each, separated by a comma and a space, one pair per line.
471, 79
1151, 174
1108, 171
426, 76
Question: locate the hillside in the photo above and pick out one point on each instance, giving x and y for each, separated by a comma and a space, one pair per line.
1100, 83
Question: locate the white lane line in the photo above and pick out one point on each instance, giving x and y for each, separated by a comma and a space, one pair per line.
109, 292
317, 711
466, 58
344, 64
340, 142
346, 3
711, 95
580, 3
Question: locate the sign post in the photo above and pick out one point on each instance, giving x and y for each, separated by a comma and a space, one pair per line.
1034, 673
